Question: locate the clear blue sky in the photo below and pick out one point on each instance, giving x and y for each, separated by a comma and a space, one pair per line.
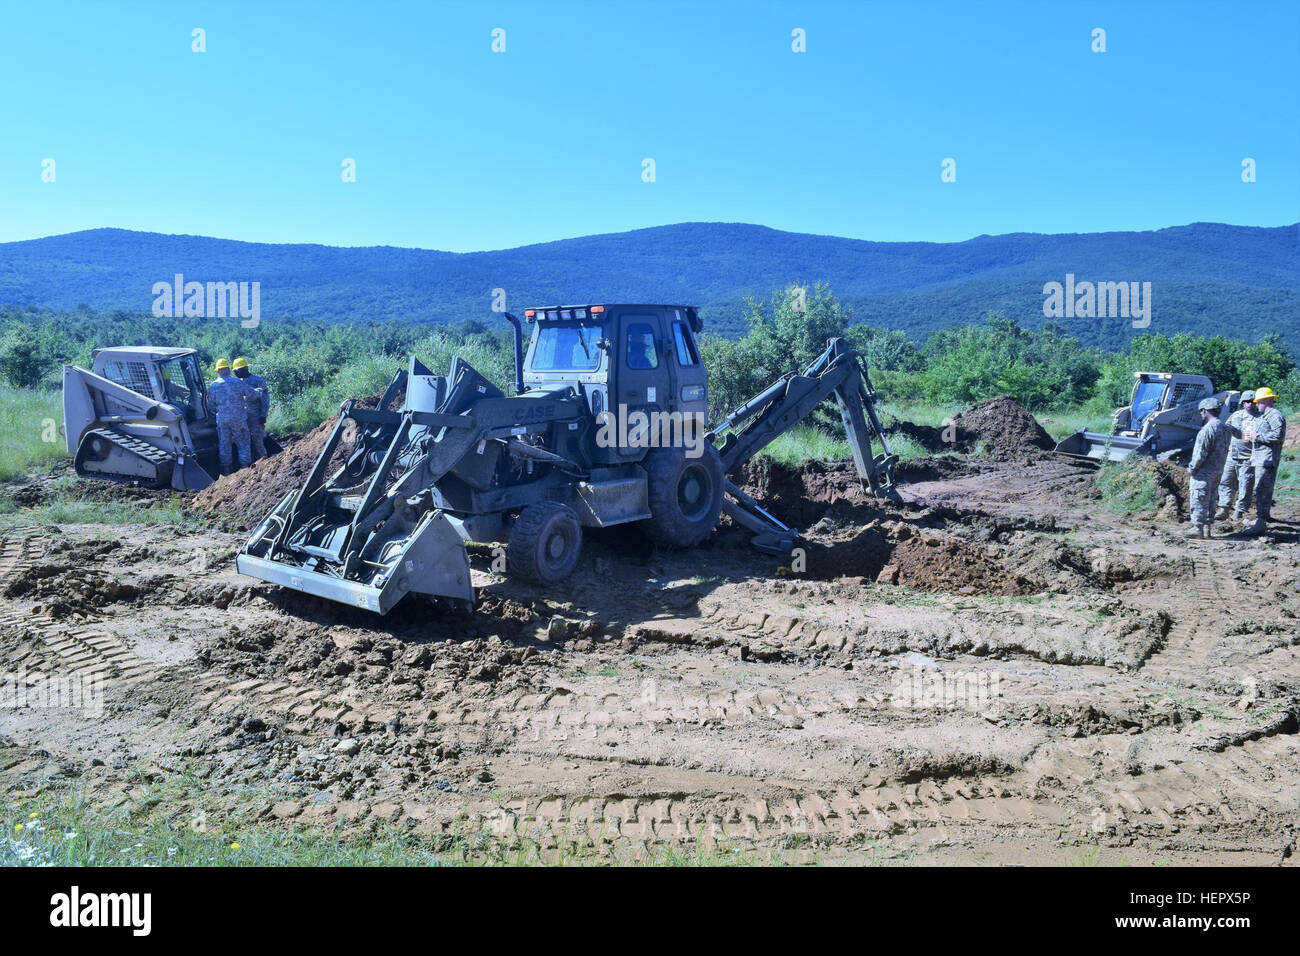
459, 148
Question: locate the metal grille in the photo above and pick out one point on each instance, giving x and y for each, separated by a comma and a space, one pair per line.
1183, 389
132, 375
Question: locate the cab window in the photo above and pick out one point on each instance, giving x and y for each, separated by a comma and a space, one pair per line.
641, 353
687, 355
567, 347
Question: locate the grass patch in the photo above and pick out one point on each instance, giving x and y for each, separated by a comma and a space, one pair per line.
1061, 423
178, 821
918, 413
1131, 485
905, 447
1287, 487
66, 829
28, 420
805, 443
73, 509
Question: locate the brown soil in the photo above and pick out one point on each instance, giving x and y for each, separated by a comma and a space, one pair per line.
896, 552
935, 439
1145, 702
1008, 428
245, 497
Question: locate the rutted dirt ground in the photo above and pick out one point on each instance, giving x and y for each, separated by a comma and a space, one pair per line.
998, 670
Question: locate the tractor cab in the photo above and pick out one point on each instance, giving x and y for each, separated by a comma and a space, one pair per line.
620, 360
1156, 392
164, 374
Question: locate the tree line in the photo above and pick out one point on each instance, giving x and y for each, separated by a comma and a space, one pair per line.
312, 366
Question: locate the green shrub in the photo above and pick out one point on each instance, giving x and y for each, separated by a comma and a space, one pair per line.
1130, 485
29, 419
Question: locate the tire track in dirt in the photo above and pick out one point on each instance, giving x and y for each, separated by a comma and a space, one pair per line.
17, 551
1190, 643
89, 651
1232, 788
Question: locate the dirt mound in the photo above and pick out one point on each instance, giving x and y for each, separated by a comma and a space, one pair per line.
935, 439
1007, 427
1174, 485
246, 496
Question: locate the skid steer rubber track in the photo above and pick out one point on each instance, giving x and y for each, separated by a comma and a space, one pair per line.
153, 465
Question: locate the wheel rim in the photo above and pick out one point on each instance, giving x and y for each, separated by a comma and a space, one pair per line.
556, 547
694, 492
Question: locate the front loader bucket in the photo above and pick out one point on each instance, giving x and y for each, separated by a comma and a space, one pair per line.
430, 560
1086, 446
377, 528
189, 475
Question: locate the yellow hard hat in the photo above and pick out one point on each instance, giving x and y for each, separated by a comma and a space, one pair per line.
239, 363
1263, 393
222, 363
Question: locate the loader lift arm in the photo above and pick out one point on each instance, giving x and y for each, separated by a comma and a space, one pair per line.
839, 371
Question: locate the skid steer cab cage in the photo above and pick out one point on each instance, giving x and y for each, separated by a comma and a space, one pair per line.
1161, 421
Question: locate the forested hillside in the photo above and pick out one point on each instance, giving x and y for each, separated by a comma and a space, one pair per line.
1205, 277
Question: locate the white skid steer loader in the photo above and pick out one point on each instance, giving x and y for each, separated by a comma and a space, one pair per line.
141, 416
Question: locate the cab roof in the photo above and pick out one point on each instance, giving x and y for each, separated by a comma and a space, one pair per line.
155, 352
562, 313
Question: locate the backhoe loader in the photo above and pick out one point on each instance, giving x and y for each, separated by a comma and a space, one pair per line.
606, 427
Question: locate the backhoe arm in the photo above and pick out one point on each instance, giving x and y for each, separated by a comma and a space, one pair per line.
837, 372
840, 372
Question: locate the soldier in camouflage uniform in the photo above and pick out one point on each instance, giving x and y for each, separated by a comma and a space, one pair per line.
258, 409
1205, 468
1266, 438
1238, 481
230, 399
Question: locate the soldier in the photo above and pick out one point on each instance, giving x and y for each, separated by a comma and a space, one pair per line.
257, 411
230, 399
1266, 440
1205, 468
1238, 479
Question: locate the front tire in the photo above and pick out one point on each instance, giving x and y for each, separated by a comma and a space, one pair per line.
545, 543
685, 495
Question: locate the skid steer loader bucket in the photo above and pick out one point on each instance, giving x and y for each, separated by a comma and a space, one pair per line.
1094, 447
373, 531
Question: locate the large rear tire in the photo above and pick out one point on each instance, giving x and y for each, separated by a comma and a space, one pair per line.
545, 543
685, 495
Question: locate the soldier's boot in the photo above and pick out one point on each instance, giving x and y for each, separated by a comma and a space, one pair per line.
1207, 530
1222, 513
1256, 529
1195, 531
